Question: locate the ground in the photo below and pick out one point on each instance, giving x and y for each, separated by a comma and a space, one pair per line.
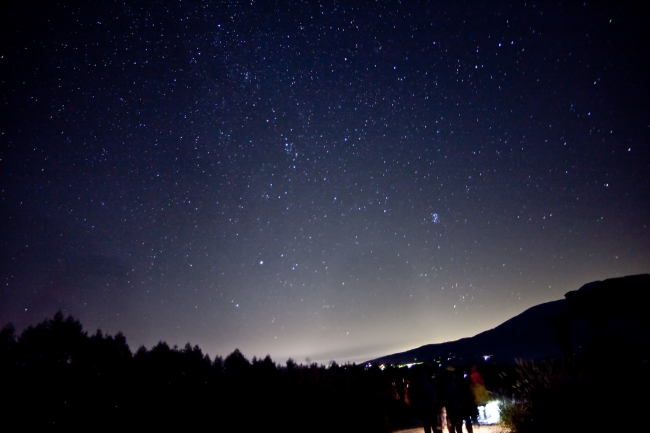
477, 429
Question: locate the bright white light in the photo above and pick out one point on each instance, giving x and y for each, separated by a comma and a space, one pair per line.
489, 414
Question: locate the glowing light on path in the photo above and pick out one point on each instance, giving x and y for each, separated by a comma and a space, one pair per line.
489, 414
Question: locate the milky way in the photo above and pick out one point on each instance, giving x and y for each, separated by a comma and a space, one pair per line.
317, 180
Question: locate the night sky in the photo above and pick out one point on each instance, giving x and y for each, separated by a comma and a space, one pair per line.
332, 180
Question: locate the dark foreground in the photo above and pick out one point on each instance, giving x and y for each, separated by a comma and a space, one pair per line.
55, 376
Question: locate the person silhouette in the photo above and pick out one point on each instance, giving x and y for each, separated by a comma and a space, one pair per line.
431, 405
469, 410
451, 399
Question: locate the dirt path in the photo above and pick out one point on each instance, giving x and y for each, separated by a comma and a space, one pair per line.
477, 429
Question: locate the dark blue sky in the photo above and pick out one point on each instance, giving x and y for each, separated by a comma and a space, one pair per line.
326, 180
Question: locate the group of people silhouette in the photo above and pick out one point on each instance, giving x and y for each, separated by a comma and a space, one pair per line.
453, 399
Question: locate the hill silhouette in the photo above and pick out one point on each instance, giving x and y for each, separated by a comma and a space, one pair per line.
612, 306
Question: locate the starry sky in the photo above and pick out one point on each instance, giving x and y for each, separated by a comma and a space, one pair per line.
317, 180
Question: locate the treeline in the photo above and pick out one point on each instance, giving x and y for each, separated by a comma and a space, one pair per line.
55, 375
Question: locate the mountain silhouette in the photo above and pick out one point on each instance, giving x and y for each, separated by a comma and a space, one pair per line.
598, 310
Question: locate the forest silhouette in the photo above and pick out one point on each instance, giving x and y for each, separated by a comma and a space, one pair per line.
55, 375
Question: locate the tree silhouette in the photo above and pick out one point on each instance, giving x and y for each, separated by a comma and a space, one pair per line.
57, 341
8, 343
236, 365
